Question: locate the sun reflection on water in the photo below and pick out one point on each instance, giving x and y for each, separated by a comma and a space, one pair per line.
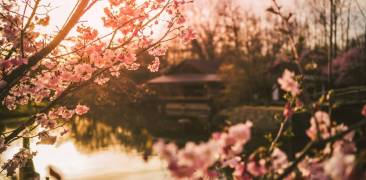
67, 160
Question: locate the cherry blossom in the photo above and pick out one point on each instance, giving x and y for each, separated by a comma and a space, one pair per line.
239, 170
339, 166
159, 51
165, 151
257, 168
44, 121
154, 67
279, 160
288, 83
188, 35
65, 113
364, 110
101, 81
81, 109
320, 121
194, 160
312, 169
19, 159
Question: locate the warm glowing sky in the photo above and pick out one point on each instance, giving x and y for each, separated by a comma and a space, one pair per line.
60, 13
93, 16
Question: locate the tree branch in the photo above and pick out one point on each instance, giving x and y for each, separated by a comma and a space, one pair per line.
14, 77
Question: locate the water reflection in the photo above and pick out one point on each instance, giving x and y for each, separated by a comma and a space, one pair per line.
67, 160
113, 145
91, 135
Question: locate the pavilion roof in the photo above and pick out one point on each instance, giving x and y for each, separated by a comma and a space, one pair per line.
185, 78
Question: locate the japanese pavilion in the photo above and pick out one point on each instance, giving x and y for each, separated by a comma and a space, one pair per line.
188, 88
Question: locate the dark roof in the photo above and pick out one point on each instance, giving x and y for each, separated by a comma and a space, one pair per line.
197, 66
185, 78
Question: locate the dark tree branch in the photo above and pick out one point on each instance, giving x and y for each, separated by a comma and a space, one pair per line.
14, 77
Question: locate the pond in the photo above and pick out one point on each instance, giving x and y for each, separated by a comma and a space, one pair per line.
73, 161
109, 146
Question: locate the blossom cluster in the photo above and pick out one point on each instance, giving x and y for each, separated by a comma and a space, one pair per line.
49, 120
91, 54
194, 160
289, 84
319, 125
47, 123
10, 29
19, 159
341, 153
154, 67
225, 150
339, 164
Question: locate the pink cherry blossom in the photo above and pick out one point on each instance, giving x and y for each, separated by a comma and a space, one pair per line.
154, 67
128, 58
68, 76
165, 151
66, 113
233, 141
288, 83
83, 71
257, 168
159, 51
339, 166
97, 60
194, 160
81, 109
322, 120
188, 35
312, 169
363, 112
44, 121
101, 81
279, 160
239, 170
87, 33
18, 160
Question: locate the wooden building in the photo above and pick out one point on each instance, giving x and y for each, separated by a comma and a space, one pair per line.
188, 89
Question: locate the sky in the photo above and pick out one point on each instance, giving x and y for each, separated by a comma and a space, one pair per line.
93, 17
62, 8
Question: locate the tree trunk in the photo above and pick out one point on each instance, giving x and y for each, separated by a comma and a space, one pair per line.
348, 24
330, 47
